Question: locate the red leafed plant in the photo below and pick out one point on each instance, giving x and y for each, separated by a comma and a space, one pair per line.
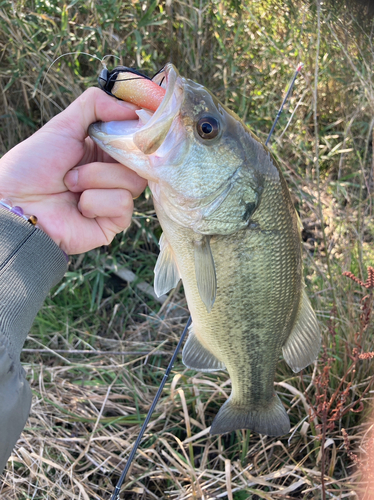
330, 406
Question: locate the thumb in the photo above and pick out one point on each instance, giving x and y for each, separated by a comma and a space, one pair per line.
91, 106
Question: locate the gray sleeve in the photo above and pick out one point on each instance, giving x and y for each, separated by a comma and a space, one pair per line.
30, 264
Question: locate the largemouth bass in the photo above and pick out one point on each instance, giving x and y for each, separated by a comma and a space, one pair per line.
231, 232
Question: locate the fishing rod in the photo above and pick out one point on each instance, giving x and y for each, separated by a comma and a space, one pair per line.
117, 490
298, 69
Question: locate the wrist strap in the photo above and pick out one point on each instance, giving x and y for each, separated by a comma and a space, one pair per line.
32, 219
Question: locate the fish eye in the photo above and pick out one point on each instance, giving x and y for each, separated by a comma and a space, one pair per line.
208, 127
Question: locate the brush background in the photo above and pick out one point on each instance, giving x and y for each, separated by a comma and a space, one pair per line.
88, 407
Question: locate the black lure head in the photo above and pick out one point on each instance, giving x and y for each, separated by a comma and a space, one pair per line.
107, 79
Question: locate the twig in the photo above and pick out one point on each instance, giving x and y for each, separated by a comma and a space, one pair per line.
316, 163
97, 353
127, 275
316, 158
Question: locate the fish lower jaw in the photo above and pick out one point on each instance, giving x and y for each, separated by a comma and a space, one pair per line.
125, 152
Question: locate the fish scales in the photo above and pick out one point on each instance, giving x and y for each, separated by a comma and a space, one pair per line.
258, 292
230, 231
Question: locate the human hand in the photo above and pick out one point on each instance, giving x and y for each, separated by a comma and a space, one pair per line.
80, 195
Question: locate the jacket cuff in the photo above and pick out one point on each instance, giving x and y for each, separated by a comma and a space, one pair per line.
15, 402
30, 265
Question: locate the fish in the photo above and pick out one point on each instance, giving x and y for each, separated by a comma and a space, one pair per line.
232, 234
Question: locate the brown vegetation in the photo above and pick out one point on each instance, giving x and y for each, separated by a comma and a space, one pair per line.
88, 406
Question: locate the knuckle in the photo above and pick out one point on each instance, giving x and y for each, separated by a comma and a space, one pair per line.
124, 222
125, 199
109, 238
89, 94
85, 204
139, 187
127, 220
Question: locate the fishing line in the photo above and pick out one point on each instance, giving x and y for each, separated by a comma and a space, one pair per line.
116, 492
78, 52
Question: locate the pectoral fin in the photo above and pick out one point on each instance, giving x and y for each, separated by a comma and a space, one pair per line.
205, 272
303, 344
197, 357
166, 269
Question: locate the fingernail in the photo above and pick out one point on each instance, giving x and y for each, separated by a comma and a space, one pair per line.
71, 178
128, 105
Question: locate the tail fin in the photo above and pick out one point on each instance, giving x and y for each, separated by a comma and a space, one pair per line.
271, 420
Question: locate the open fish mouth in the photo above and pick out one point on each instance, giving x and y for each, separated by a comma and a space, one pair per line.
145, 135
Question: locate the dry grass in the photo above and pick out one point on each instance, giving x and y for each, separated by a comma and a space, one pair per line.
84, 422
88, 407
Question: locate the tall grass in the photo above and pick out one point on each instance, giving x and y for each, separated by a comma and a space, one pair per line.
89, 402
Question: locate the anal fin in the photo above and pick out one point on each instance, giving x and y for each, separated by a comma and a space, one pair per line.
303, 344
166, 269
270, 420
205, 272
197, 357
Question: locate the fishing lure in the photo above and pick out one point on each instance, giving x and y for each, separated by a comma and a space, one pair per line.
132, 86
107, 79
